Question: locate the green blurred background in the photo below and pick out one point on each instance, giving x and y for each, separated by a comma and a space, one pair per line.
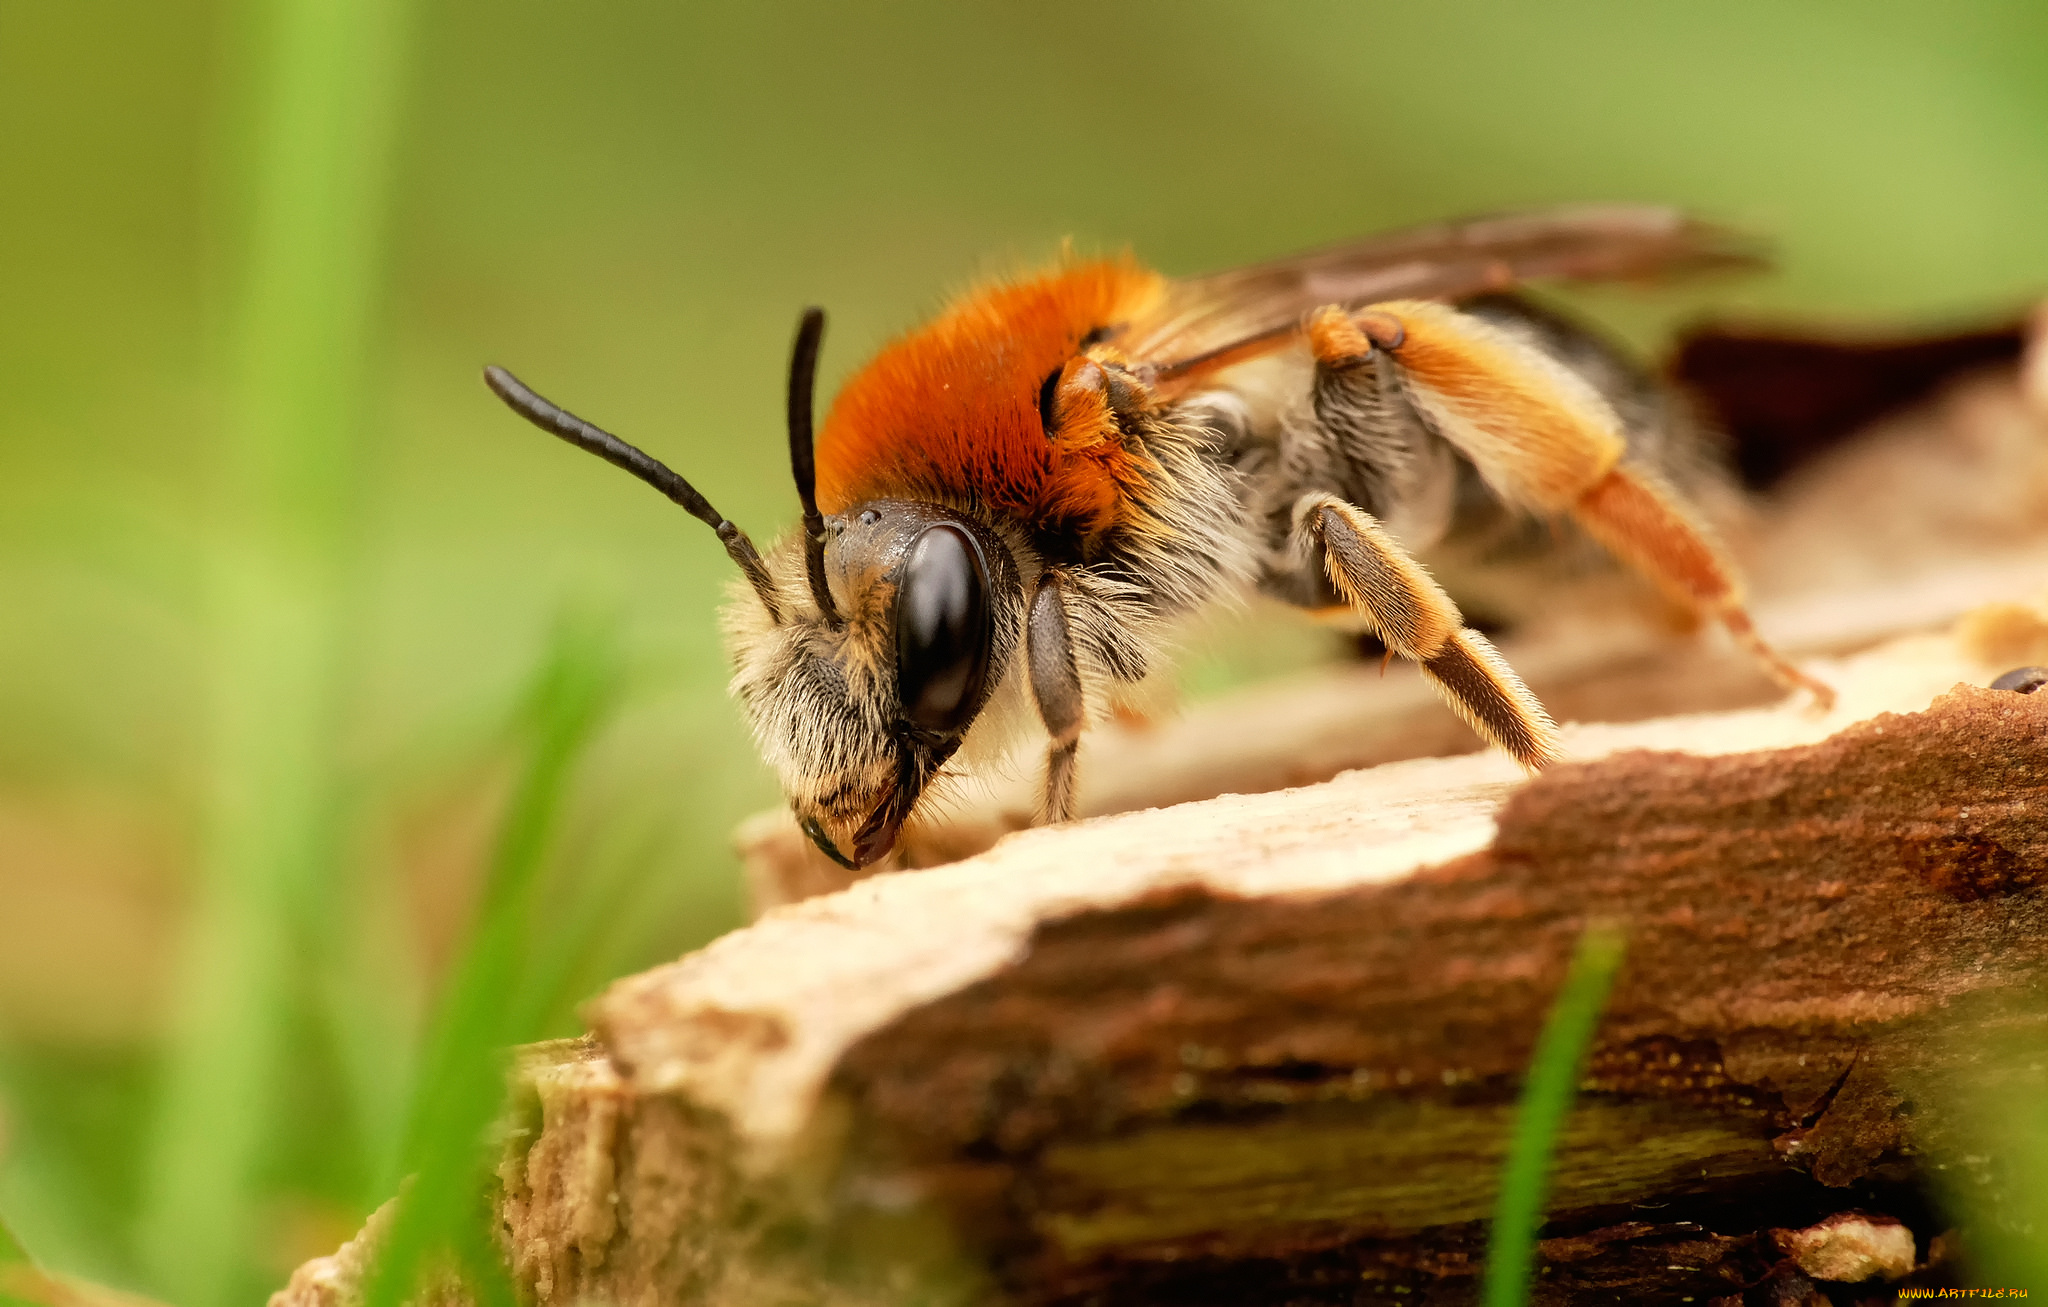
627, 203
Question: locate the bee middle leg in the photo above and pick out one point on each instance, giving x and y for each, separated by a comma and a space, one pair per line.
1410, 613
1056, 686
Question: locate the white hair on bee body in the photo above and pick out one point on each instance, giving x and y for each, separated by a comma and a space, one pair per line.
1188, 539
822, 699
1181, 549
1117, 635
818, 738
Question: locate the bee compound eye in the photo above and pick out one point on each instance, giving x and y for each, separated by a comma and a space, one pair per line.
943, 631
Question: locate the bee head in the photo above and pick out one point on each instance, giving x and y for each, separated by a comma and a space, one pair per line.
862, 666
858, 714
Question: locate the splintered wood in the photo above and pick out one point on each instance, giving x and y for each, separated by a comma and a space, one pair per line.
1265, 1048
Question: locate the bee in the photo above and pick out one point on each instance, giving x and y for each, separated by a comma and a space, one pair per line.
1007, 511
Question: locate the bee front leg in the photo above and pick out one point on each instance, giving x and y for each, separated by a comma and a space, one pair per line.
1056, 685
1409, 612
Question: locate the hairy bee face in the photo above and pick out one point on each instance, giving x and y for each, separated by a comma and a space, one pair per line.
856, 717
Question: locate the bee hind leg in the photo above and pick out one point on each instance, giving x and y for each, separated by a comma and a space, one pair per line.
1547, 441
1409, 612
1639, 522
1056, 686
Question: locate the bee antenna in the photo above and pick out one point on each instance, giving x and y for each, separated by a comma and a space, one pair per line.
803, 374
558, 421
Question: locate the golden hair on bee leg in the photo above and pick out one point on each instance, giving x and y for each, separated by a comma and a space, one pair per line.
1401, 603
1336, 339
1539, 433
1479, 685
1642, 523
1056, 803
1409, 612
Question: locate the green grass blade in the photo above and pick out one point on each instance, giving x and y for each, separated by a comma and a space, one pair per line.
1547, 1096
569, 957
321, 104
461, 1089
1986, 1162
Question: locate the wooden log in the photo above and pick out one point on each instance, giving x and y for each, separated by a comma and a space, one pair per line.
1265, 1048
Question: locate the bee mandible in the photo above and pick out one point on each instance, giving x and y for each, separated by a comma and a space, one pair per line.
1010, 507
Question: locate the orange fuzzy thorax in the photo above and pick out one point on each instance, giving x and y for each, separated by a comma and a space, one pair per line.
950, 412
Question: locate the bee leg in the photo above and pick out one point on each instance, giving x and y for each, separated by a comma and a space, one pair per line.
1056, 686
1641, 523
1544, 439
1413, 617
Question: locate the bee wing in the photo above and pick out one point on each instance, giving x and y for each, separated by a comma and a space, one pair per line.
1203, 323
